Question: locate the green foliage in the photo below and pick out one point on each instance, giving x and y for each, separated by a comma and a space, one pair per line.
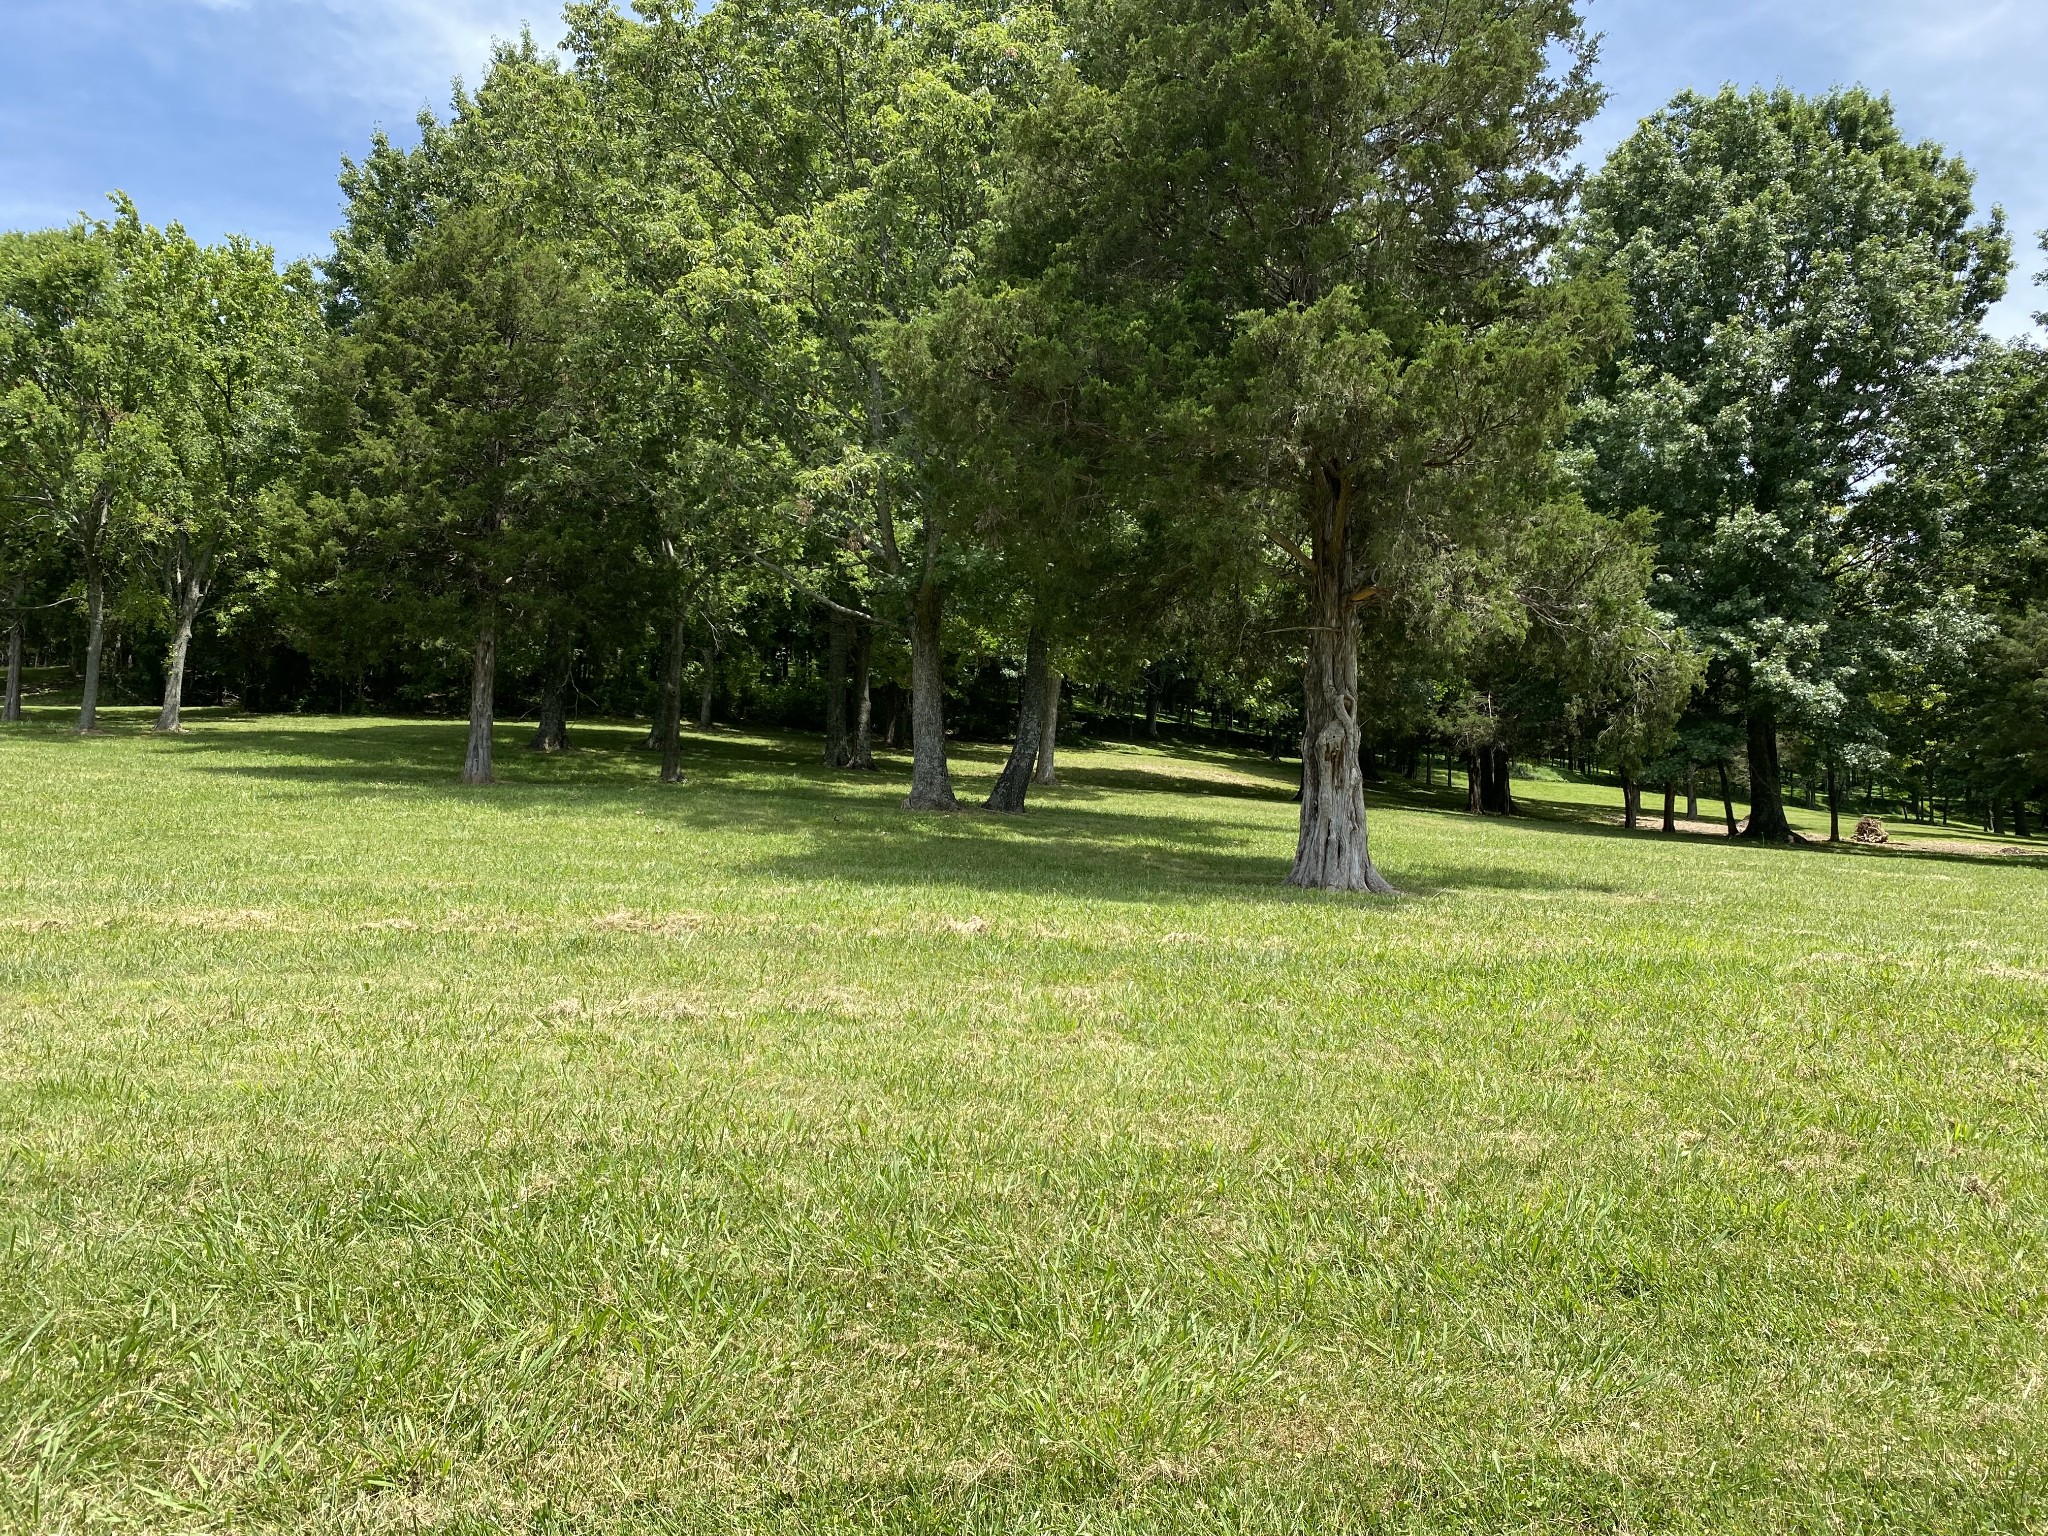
1798, 273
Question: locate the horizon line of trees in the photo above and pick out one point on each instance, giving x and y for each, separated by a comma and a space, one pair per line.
913, 369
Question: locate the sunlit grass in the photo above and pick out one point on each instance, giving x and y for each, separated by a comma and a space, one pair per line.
580, 1155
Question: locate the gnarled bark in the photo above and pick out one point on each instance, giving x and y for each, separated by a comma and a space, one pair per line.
1047, 773
483, 688
1767, 823
95, 646
931, 783
1333, 852
1014, 783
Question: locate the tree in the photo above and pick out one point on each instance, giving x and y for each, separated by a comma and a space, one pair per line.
1797, 271
1331, 220
82, 362
235, 332
440, 416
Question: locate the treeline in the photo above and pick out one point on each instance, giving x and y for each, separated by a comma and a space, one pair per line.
899, 368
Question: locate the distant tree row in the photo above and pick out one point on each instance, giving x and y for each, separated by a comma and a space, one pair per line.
1122, 352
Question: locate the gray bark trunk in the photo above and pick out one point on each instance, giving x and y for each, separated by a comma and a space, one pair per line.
10, 712
483, 688
931, 784
862, 759
838, 658
1014, 785
95, 644
1692, 793
1767, 823
1048, 773
707, 694
1631, 801
670, 726
1333, 852
169, 719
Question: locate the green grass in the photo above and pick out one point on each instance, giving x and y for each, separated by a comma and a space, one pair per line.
581, 1156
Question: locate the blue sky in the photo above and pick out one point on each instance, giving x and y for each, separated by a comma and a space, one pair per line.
233, 114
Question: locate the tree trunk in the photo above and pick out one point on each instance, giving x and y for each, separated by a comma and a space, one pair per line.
1767, 823
1631, 800
1014, 784
838, 655
707, 694
552, 733
1671, 805
1727, 799
1834, 803
862, 759
1692, 793
1151, 704
476, 765
2019, 817
10, 712
169, 718
1475, 785
1048, 772
1496, 789
1334, 852
670, 726
95, 645
931, 785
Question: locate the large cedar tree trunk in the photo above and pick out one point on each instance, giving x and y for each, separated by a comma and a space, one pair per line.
1767, 823
1048, 771
670, 726
95, 644
1631, 800
1728, 801
1671, 805
931, 784
862, 758
1333, 853
838, 654
1014, 784
483, 687
10, 712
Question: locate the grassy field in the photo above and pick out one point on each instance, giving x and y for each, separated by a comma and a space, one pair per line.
579, 1156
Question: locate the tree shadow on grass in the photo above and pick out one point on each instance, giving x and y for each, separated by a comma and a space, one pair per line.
1074, 841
